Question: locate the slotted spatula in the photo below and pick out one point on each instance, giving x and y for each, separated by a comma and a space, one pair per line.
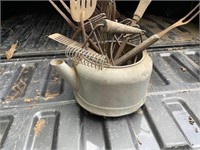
81, 10
64, 40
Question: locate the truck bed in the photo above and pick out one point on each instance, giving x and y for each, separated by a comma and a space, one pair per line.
38, 110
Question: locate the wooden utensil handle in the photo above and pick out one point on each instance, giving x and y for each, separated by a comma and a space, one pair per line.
145, 44
143, 4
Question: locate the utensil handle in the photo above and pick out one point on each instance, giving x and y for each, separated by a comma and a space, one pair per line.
63, 15
65, 6
82, 26
120, 49
143, 4
145, 44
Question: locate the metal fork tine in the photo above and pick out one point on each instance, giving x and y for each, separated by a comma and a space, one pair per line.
182, 21
191, 12
193, 17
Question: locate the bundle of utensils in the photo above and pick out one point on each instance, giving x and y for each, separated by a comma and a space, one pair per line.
105, 39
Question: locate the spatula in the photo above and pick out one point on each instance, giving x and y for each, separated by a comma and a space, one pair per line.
64, 40
81, 10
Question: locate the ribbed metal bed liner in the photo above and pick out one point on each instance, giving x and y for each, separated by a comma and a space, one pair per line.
38, 110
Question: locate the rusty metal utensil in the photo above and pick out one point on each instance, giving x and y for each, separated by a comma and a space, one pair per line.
154, 38
142, 6
81, 10
109, 26
86, 57
77, 54
64, 40
67, 41
115, 27
94, 20
109, 8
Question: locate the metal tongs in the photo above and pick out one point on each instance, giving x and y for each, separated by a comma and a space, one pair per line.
154, 38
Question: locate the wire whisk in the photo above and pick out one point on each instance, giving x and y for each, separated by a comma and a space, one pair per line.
78, 54
86, 57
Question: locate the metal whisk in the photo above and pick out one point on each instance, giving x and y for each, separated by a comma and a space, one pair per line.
78, 54
86, 57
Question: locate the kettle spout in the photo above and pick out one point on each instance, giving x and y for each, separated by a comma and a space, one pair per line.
66, 72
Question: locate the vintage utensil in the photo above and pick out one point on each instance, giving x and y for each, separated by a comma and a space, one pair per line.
94, 20
109, 8
154, 38
86, 57
120, 49
89, 24
64, 40
67, 41
143, 4
115, 27
78, 54
95, 36
81, 10
112, 27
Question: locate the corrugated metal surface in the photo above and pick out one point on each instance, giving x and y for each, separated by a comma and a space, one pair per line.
38, 110
175, 71
163, 122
